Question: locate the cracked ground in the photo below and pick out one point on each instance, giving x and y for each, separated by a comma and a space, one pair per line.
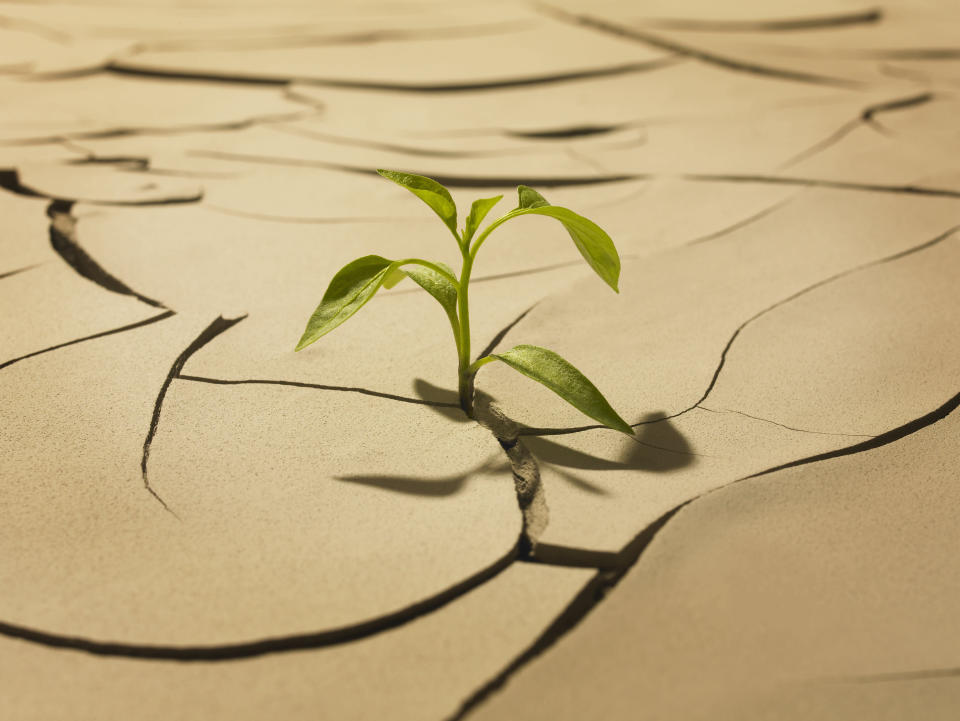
198, 523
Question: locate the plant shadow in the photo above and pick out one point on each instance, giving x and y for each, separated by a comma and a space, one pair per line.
430, 487
658, 447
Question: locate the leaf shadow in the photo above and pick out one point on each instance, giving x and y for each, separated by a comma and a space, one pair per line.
432, 487
658, 447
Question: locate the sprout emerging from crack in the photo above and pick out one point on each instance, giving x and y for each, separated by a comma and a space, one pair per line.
358, 281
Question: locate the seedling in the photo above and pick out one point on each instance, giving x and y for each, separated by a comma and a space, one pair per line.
358, 281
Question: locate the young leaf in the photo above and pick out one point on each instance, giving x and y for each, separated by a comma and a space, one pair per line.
430, 192
435, 284
530, 198
548, 368
478, 211
352, 286
394, 276
591, 240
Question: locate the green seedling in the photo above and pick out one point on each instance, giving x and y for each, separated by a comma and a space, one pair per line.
357, 282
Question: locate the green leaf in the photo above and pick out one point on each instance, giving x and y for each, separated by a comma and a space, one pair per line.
530, 198
591, 240
478, 211
548, 368
349, 290
435, 284
430, 192
393, 276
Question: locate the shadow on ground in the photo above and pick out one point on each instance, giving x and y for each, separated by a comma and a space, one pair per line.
658, 447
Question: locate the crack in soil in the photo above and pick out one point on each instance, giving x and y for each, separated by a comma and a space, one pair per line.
781, 425
263, 647
121, 68
317, 386
529, 431
616, 566
689, 51
218, 326
866, 118
63, 238
866, 17
101, 334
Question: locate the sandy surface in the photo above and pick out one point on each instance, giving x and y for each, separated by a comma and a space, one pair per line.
199, 523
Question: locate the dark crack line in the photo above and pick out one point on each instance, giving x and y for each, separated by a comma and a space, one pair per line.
568, 133
593, 592
525, 470
124, 162
548, 79
835, 137
866, 118
317, 386
555, 182
63, 239
121, 329
605, 580
119, 68
817, 183
126, 132
452, 181
10, 181
218, 326
565, 132
134, 163
781, 425
15, 271
922, 54
661, 43
810, 288
870, 113
742, 223
262, 647
529, 431
866, 17
548, 554
883, 439
412, 149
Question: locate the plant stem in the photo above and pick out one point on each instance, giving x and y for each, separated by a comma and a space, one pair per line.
463, 307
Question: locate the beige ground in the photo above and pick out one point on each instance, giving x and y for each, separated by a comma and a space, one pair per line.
198, 523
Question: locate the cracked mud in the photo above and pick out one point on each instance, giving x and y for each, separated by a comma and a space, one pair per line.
180, 491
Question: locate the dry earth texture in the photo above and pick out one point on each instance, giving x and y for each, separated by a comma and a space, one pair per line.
198, 523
